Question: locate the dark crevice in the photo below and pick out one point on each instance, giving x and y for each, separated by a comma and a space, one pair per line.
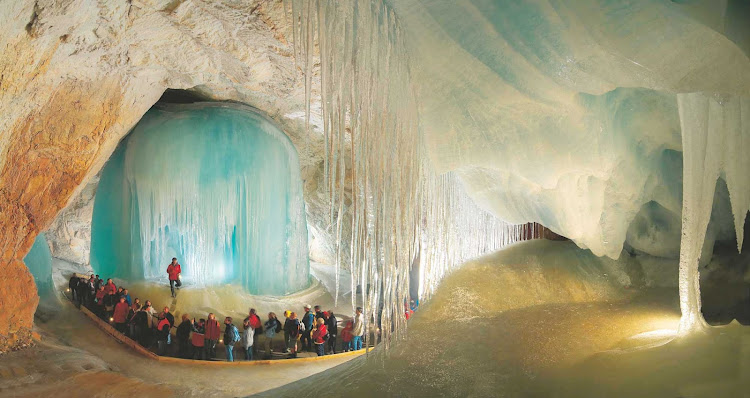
32, 21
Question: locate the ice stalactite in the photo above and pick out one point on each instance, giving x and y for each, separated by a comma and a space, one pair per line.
376, 171
215, 185
716, 141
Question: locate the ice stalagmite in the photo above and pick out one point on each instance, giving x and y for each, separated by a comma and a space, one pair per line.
715, 140
216, 186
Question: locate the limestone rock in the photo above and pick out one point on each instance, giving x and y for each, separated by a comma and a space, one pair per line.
75, 77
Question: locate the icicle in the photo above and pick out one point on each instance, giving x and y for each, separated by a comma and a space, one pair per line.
715, 135
398, 209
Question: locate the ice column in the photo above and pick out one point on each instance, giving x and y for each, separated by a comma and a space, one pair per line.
216, 186
715, 140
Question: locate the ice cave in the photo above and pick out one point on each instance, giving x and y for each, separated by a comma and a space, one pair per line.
380, 198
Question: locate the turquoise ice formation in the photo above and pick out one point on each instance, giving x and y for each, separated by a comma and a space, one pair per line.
39, 261
215, 185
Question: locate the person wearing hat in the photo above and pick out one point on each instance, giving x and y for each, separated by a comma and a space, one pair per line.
308, 320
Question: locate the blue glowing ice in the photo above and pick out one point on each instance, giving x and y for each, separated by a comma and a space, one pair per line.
39, 261
215, 185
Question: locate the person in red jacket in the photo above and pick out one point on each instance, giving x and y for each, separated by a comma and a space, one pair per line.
110, 287
346, 336
100, 302
174, 270
213, 331
120, 316
319, 337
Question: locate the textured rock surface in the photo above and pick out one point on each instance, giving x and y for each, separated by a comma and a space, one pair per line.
75, 77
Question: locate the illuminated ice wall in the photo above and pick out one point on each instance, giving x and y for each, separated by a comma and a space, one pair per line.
39, 261
216, 186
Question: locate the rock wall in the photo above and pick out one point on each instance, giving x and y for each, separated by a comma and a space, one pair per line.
75, 77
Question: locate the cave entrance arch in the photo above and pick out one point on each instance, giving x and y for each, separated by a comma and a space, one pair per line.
216, 185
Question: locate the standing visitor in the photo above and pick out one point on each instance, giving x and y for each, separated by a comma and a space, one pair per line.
169, 316
332, 324
198, 339
174, 269
318, 314
91, 294
319, 336
73, 288
346, 337
110, 287
287, 314
292, 331
127, 296
134, 309
272, 326
253, 322
183, 337
82, 291
248, 337
100, 302
231, 337
213, 331
358, 330
308, 321
120, 316
162, 334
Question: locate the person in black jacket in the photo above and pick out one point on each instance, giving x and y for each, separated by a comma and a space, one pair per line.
332, 325
73, 287
82, 292
183, 337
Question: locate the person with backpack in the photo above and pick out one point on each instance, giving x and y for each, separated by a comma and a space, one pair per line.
319, 336
253, 321
213, 330
248, 338
308, 320
231, 337
292, 332
346, 337
272, 326
332, 324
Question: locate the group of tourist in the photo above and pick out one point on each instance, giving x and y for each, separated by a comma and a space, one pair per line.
315, 331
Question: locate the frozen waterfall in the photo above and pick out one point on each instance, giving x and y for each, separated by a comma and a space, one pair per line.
215, 185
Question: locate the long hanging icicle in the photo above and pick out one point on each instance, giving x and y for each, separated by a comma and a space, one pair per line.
715, 139
398, 209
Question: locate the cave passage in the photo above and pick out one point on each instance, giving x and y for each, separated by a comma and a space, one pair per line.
215, 185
